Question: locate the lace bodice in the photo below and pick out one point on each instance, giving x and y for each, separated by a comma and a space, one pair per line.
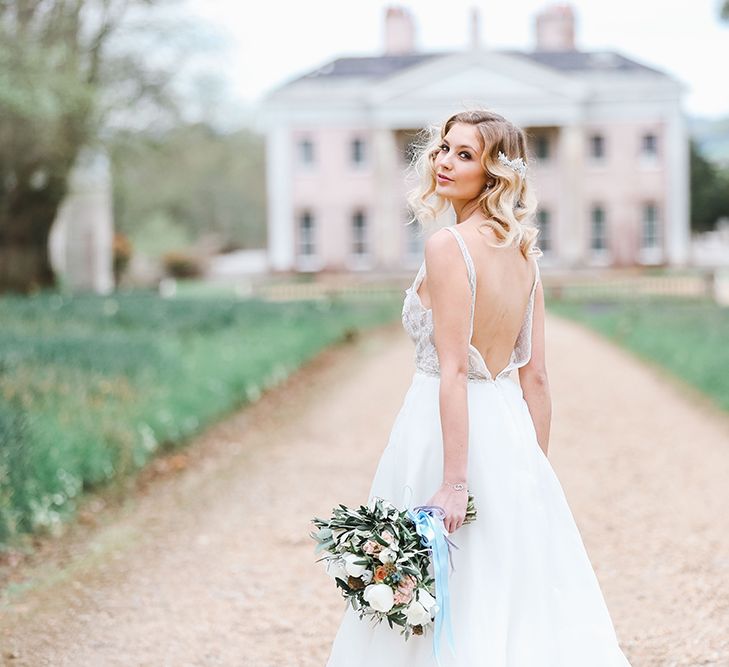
418, 323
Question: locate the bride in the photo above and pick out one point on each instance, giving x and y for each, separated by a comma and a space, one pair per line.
523, 592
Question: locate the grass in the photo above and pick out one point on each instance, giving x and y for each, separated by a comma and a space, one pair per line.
686, 336
92, 387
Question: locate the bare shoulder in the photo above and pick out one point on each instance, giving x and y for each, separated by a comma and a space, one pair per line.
441, 249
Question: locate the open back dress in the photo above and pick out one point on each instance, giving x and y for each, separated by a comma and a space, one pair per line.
523, 592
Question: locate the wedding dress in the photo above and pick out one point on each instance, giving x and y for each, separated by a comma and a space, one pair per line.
523, 592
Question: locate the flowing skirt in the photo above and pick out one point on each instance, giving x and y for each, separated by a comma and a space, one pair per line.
523, 592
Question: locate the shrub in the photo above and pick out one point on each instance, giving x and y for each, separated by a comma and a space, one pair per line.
181, 265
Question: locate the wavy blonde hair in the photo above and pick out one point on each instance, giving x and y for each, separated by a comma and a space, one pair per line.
509, 206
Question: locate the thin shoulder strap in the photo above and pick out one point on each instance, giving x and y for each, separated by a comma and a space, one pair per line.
470, 267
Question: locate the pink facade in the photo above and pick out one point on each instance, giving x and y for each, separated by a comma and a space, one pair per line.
608, 151
621, 195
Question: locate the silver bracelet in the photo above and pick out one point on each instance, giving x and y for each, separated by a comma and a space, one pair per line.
458, 486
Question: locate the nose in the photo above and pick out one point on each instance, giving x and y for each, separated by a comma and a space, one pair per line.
444, 162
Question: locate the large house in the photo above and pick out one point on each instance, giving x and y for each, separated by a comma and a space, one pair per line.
608, 146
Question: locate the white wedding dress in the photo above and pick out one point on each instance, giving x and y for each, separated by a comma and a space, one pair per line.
523, 592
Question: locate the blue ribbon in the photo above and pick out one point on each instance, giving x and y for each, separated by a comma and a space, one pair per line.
428, 521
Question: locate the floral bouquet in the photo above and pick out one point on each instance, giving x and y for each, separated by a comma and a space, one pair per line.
382, 559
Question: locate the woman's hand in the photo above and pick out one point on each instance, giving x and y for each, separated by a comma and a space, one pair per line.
454, 503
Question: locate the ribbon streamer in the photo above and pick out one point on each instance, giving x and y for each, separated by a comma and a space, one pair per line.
428, 521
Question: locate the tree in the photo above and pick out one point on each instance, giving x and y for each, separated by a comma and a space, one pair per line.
725, 10
709, 192
57, 75
194, 177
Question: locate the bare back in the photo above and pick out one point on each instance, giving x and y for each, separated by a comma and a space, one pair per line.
504, 283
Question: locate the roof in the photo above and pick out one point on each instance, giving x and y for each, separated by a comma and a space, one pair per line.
562, 61
597, 61
370, 66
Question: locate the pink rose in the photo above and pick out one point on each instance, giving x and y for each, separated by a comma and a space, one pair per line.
388, 536
403, 595
371, 547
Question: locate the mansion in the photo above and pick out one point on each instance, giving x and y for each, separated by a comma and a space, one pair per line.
608, 150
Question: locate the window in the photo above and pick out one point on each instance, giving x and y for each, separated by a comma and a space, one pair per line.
359, 234
649, 235
649, 145
306, 234
544, 240
597, 146
306, 151
541, 147
357, 151
597, 228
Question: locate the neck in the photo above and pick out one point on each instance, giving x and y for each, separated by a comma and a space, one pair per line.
464, 209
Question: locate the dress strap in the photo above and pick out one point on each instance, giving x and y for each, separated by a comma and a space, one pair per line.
471, 270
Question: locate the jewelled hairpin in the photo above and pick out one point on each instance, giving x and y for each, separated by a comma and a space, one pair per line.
517, 164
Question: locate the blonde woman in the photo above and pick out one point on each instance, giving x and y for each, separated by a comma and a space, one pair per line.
523, 592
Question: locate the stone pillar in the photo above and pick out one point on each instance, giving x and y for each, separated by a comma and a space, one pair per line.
279, 173
571, 233
80, 241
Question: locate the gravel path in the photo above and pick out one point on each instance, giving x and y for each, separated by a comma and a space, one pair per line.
208, 562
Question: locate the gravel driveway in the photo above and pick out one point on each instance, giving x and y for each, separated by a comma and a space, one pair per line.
208, 560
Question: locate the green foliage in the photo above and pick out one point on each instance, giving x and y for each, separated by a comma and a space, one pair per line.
160, 234
92, 387
64, 68
709, 192
685, 336
194, 179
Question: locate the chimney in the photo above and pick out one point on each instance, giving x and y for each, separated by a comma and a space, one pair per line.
475, 25
556, 29
399, 31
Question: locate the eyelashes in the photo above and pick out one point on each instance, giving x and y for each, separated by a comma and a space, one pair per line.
442, 146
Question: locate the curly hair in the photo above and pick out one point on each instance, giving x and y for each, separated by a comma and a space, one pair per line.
509, 206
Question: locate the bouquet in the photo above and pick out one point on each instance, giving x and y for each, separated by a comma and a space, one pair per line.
381, 558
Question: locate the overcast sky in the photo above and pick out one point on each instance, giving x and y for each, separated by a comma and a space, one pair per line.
270, 41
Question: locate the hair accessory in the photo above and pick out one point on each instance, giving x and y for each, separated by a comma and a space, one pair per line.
517, 164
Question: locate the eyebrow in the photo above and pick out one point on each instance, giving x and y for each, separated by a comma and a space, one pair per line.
461, 146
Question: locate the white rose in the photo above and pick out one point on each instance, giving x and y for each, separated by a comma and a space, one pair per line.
426, 599
380, 597
416, 614
335, 569
387, 556
353, 569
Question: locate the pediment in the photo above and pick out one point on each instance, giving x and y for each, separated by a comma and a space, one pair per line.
477, 75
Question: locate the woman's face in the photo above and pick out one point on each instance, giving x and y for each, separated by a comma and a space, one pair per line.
458, 172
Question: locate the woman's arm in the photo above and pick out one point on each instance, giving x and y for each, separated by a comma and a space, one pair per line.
533, 376
450, 296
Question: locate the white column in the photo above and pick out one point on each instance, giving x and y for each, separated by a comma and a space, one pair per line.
279, 172
387, 222
571, 237
677, 216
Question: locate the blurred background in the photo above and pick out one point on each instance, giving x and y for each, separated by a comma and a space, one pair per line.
196, 197
153, 140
